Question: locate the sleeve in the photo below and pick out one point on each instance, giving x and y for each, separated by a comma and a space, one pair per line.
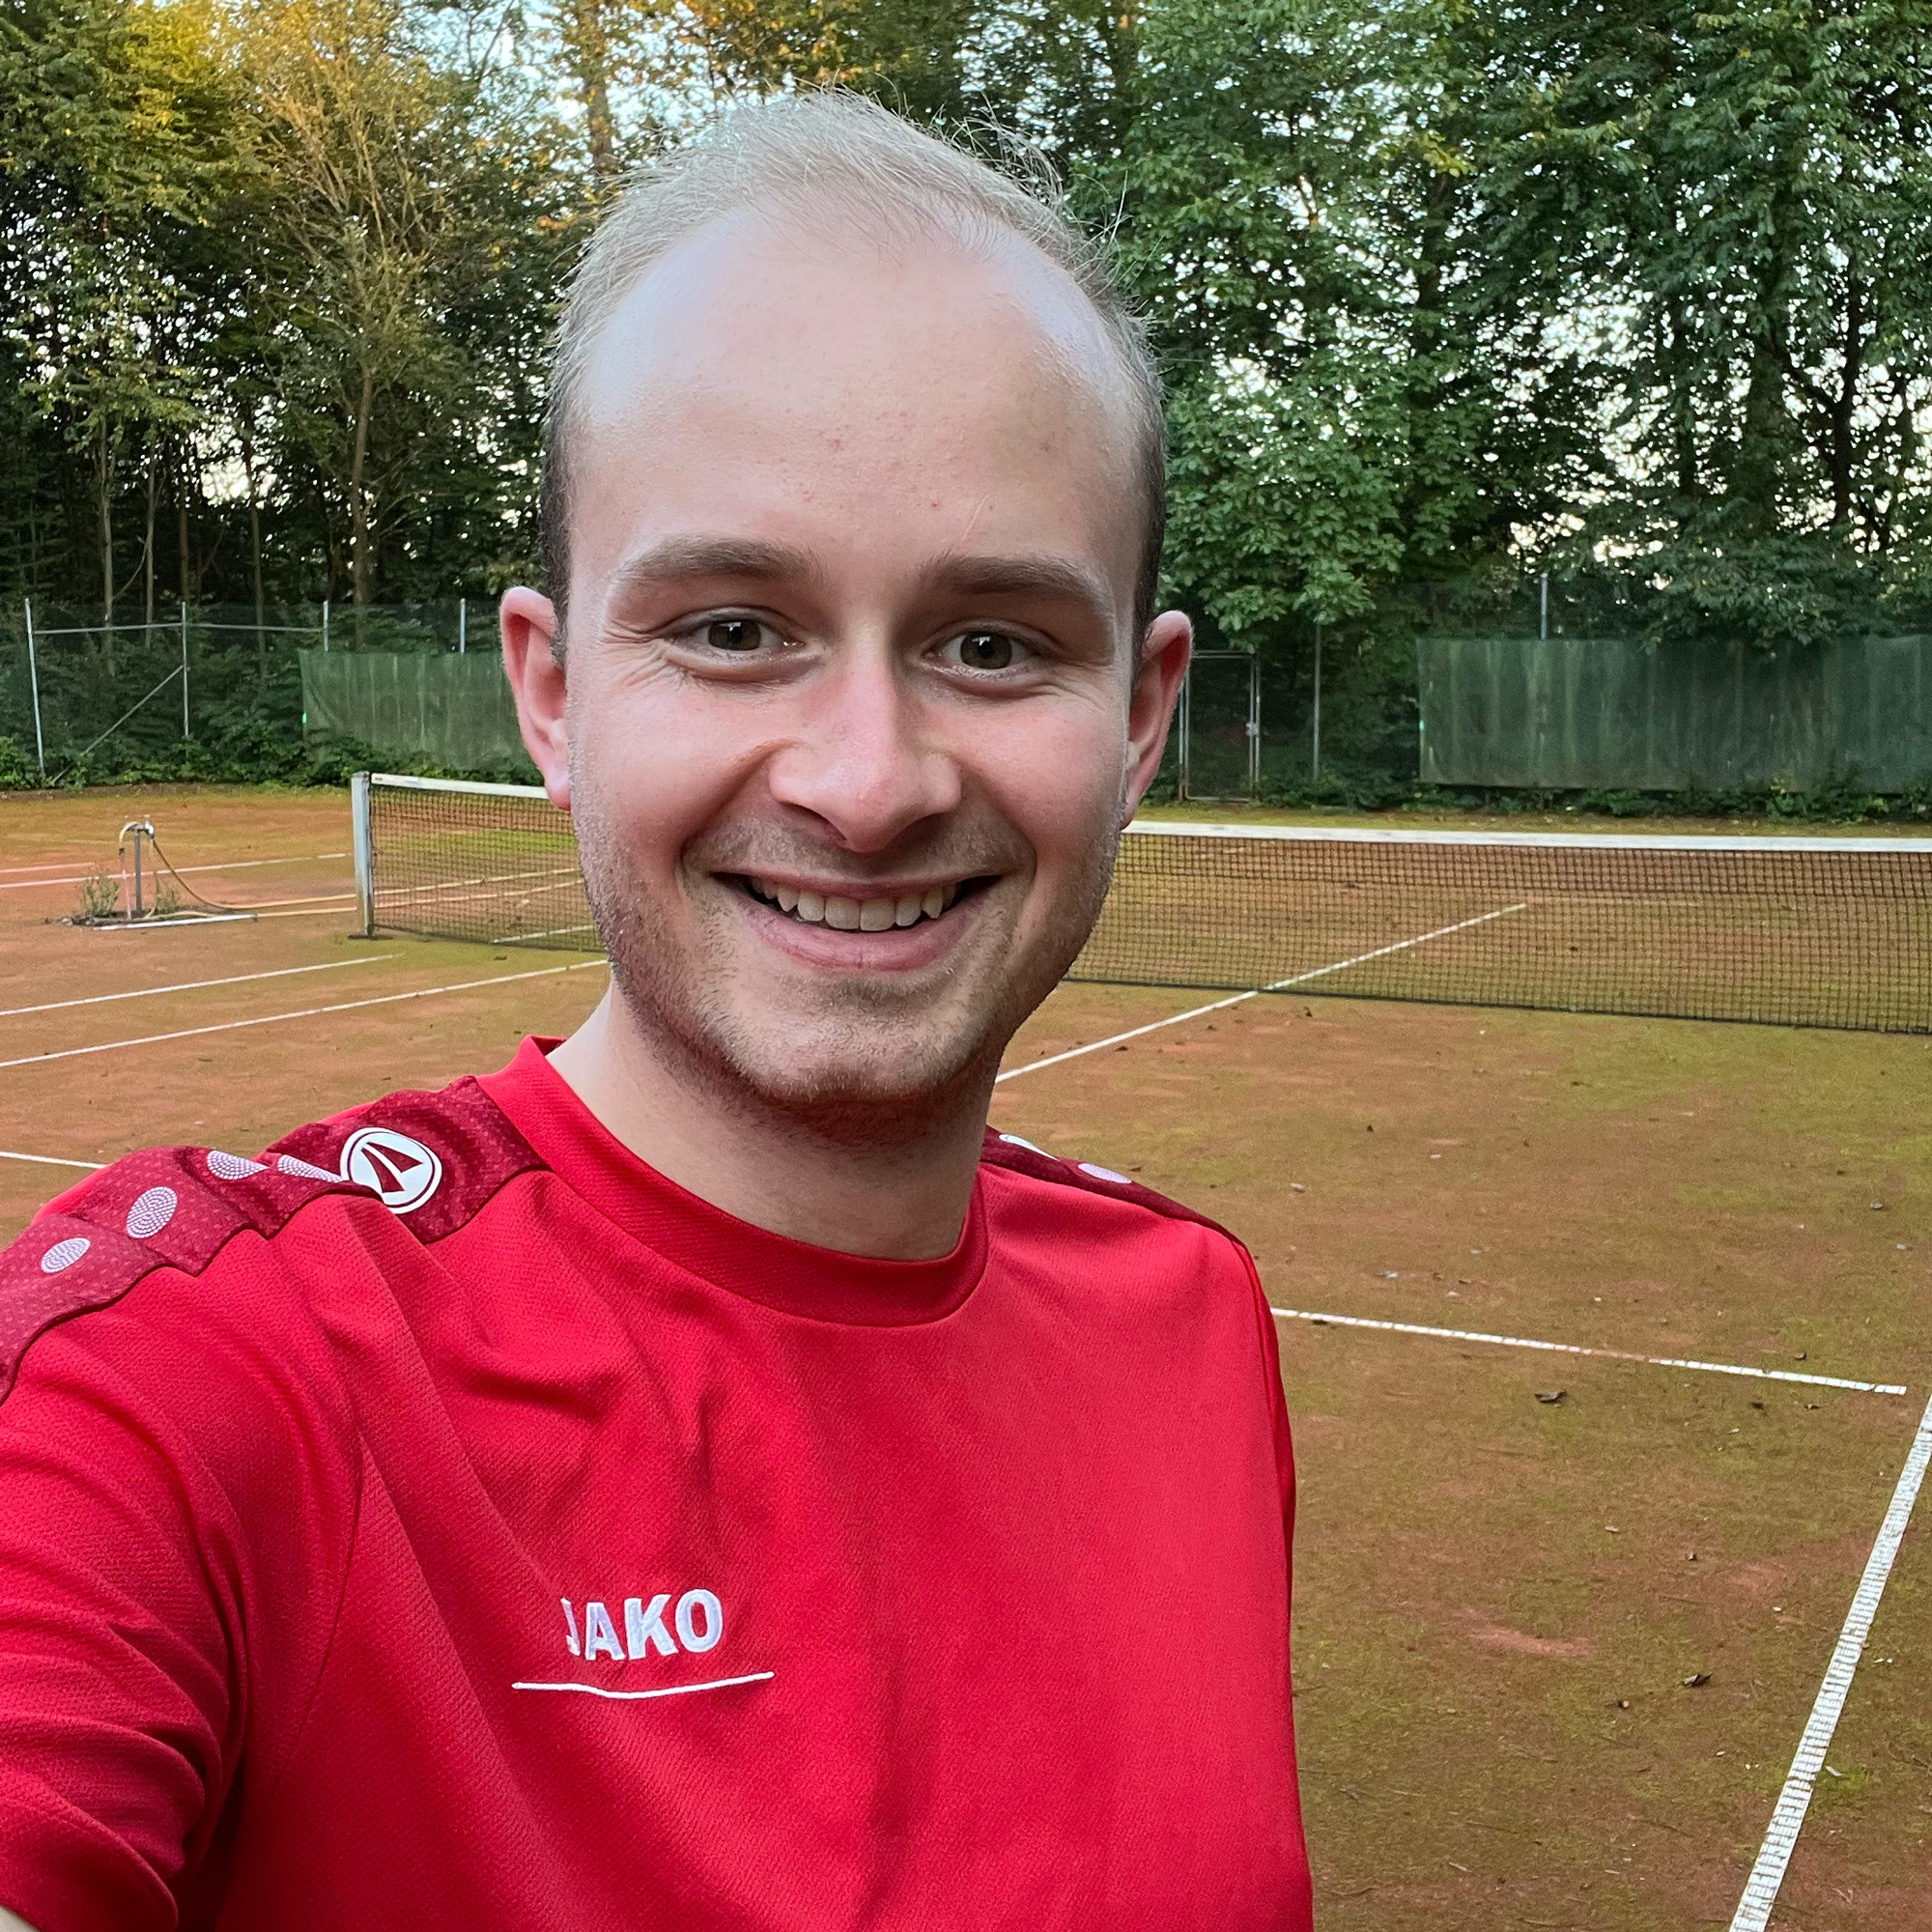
165, 1529
1277, 1401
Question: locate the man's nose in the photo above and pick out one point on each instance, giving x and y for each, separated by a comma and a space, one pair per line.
865, 758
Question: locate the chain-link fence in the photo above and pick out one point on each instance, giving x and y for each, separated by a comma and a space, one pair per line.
81, 696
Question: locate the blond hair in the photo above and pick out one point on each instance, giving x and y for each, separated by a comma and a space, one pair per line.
838, 150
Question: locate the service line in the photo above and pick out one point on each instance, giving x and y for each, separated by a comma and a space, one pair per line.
191, 985
1321, 1321
1255, 993
53, 1160
305, 1014
1761, 1888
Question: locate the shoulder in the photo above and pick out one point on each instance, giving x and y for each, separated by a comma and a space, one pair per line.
1085, 1192
427, 1162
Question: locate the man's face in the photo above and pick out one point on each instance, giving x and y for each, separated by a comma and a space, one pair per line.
851, 719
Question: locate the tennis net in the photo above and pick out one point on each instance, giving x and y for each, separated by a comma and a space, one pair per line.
1825, 932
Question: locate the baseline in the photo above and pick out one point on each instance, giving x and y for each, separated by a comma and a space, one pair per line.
305, 1014
1321, 1321
1255, 993
191, 985
53, 1160
1781, 1840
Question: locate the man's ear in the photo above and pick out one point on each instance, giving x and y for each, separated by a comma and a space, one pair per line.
528, 620
1164, 653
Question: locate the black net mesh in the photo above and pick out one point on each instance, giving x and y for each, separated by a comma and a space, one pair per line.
1799, 932
456, 862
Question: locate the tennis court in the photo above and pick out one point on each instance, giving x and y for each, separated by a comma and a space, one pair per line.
1554, 1657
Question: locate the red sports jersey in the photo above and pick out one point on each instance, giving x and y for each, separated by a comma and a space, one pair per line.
547, 1549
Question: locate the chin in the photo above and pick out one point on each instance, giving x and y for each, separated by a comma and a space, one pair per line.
855, 1091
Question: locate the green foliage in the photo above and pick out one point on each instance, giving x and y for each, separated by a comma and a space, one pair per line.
1444, 294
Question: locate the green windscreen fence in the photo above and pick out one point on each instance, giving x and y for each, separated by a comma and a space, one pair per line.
441, 708
1615, 714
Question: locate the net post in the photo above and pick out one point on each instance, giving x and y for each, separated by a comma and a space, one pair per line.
365, 846
34, 685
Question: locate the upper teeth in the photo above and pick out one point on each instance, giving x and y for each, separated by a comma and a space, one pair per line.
857, 915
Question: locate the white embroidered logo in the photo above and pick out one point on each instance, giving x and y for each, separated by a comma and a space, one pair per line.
695, 1625
699, 1619
401, 1171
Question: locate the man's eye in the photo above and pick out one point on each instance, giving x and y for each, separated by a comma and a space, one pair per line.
738, 634
985, 650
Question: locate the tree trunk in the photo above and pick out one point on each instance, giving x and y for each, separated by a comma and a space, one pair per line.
104, 478
590, 49
1683, 407
360, 571
105, 475
255, 545
188, 586
1845, 405
148, 548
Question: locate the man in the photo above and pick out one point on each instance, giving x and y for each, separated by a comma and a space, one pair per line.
716, 1490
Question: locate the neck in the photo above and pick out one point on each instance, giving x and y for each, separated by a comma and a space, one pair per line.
902, 1202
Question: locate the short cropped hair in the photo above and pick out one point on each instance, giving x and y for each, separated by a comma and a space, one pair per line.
830, 147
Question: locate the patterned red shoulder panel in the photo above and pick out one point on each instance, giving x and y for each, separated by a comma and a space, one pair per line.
433, 1159
1023, 1158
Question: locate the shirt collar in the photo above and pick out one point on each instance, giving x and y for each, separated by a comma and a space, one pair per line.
793, 1277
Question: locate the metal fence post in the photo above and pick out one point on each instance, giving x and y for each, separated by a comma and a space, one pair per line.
1543, 604
185, 733
461, 625
34, 685
325, 623
1255, 725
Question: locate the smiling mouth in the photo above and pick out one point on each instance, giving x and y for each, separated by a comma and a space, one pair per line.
855, 915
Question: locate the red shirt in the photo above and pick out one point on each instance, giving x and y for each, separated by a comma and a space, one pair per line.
549, 1548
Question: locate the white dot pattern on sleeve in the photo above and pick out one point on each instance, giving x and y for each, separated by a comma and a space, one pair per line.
1013, 1140
64, 1254
232, 1167
1104, 1173
304, 1170
152, 1211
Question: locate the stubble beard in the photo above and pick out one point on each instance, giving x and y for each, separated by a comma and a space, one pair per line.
872, 1069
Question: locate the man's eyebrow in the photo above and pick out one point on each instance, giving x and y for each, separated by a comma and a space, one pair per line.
679, 557
1048, 575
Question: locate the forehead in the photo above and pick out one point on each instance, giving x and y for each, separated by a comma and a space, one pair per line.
805, 368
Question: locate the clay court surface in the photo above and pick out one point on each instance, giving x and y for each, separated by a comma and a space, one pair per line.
1497, 1600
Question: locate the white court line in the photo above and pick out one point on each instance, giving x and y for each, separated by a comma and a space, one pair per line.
1276, 987
1577, 1349
328, 911
148, 923
307, 1013
193, 985
227, 865
668, 1691
1761, 1888
53, 1160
